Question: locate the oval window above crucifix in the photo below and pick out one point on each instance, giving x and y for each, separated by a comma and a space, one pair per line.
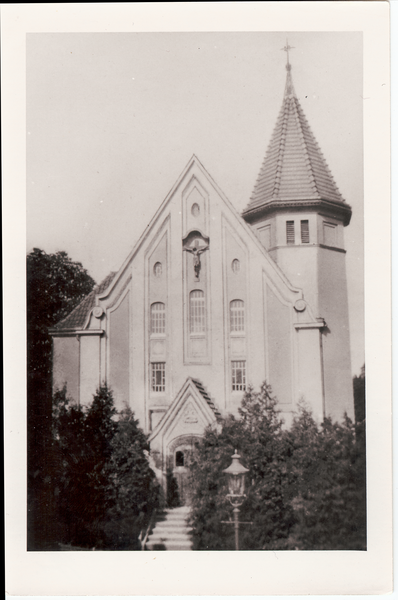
195, 210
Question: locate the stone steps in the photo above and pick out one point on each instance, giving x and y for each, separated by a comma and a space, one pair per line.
171, 531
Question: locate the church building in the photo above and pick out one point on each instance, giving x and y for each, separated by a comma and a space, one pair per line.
210, 301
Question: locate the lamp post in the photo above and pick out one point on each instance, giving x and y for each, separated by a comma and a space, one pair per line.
236, 485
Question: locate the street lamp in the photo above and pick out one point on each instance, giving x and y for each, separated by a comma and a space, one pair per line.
236, 484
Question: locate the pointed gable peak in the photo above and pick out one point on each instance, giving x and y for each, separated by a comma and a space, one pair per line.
294, 170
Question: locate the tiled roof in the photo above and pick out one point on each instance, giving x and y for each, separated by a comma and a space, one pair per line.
206, 396
77, 318
294, 168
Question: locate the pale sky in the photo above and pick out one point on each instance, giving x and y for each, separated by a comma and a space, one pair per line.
113, 118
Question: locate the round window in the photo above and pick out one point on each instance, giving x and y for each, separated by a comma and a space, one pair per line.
195, 210
235, 265
157, 269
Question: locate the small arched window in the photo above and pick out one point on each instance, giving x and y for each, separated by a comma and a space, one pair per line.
158, 318
237, 315
197, 314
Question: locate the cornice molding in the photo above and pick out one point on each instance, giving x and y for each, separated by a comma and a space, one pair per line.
74, 332
337, 209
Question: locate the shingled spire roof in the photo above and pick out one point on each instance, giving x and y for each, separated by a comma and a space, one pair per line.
294, 170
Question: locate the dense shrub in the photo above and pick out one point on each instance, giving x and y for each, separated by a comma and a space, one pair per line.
306, 486
258, 436
104, 486
328, 485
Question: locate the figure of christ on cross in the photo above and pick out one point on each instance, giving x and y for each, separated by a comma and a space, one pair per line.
196, 252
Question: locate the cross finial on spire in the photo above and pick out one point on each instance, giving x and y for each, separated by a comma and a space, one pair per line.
286, 49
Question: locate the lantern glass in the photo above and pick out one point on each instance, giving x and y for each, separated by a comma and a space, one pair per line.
237, 484
236, 477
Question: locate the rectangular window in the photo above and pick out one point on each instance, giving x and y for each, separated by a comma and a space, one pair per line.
197, 311
305, 232
290, 232
237, 315
238, 375
158, 377
158, 318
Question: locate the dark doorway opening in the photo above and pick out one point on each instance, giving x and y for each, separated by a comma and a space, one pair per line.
179, 458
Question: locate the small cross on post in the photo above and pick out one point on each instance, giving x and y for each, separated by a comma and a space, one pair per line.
286, 49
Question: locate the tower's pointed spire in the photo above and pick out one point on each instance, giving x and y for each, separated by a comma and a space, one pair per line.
294, 169
289, 89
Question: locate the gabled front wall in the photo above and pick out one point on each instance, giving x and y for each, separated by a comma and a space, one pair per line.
163, 273
234, 269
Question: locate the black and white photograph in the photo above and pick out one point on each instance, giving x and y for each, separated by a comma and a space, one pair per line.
195, 293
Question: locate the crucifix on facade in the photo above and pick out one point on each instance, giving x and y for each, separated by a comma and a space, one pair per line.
196, 252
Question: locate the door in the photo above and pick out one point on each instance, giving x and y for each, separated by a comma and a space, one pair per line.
181, 474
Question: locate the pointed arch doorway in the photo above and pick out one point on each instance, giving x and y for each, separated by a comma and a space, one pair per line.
180, 453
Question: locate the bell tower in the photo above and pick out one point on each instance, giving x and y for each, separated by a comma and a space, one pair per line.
299, 215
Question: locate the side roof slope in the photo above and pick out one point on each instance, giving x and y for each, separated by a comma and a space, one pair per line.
78, 317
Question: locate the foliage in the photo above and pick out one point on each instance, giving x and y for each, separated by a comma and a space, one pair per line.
359, 396
133, 488
55, 285
209, 504
327, 485
258, 436
105, 488
306, 488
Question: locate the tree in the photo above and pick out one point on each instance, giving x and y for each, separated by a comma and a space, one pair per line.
327, 485
100, 430
266, 453
133, 488
209, 503
306, 488
105, 489
70, 481
359, 396
258, 436
55, 285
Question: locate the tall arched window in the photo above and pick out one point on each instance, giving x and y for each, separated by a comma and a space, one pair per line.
237, 315
197, 312
158, 318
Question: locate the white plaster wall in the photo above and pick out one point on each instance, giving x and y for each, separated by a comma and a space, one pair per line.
300, 263
66, 365
119, 365
89, 367
333, 305
309, 371
279, 339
